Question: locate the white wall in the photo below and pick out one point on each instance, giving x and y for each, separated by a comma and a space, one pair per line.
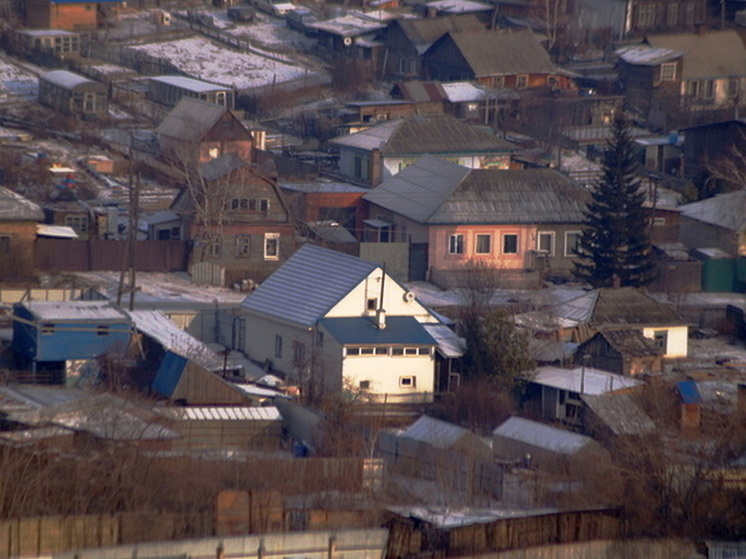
384, 374
678, 339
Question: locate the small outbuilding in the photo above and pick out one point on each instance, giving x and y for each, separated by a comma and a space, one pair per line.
73, 95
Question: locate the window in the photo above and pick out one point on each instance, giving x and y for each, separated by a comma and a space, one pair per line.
102, 330
77, 222
410, 351
382, 351
708, 89
668, 72
456, 244
352, 351
733, 88
510, 243
47, 328
408, 382
484, 244
521, 82
661, 338
646, 16
358, 172
264, 205
213, 153
692, 88
271, 246
364, 385
424, 351
213, 250
397, 351
690, 13
371, 304
278, 346
366, 351
4, 244
659, 221
672, 17
299, 353
572, 240
242, 247
545, 242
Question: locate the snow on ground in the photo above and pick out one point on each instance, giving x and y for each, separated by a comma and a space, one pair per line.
204, 60
16, 82
274, 33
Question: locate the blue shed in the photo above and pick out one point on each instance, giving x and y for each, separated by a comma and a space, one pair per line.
47, 334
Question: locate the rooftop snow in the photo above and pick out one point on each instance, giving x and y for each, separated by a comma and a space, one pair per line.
220, 413
459, 92
647, 56
75, 311
541, 435
593, 381
458, 6
187, 83
65, 79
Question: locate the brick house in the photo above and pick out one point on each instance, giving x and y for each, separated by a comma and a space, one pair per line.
70, 15
18, 220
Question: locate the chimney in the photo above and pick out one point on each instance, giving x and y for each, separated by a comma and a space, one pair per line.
381, 319
375, 167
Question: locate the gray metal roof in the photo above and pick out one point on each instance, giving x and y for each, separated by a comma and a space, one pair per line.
724, 210
14, 207
362, 330
583, 380
434, 191
541, 435
68, 80
190, 119
308, 285
449, 344
190, 84
629, 306
715, 54
435, 432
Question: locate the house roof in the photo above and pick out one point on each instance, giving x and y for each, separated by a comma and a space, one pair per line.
462, 92
495, 53
724, 210
418, 134
362, 330
583, 380
69, 80
715, 54
435, 432
14, 207
645, 55
424, 32
435, 191
190, 84
421, 91
620, 413
449, 344
308, 285
628, 306
349, 25
459, 6
220, 413
190, 119
631, 343
541, 435
75, 311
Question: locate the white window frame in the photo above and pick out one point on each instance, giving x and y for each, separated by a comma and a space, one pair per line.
545, 234
456, 244
668, 72
271, 239
243, 246
476, 243
409, 381
517, 244
569, 252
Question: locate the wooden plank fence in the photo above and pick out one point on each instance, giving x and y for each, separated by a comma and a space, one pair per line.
63, 255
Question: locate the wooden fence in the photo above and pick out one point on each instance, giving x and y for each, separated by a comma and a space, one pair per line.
63, 255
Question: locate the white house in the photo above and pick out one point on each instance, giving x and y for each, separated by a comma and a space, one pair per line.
330, 321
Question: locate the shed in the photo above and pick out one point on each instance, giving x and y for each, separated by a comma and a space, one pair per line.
73, 94
690, 404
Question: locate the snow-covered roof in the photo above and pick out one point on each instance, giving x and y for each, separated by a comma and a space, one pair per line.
450, 518
647, 56
190, 84
259, 391
75, 311
459, 6
449, 344
462, 92
68, 80
541, 435
350, 25
221, 413
14, 207
56, 231
435, 432
583, 380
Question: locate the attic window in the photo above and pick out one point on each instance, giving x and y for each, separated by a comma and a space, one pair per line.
668, 72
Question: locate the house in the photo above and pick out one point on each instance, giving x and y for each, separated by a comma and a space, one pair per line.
710, 146
353, 36
197, 130
19, 218
623, 352
237, 219
367, 113
427, 97
70, 15
57, 41
47, 336
329, 321
169, 90
372, 155
507, 220
717, 222
689, 73
442, 8
73, 95
408, 39
498, 59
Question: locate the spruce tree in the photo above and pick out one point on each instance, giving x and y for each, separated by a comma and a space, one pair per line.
614, 247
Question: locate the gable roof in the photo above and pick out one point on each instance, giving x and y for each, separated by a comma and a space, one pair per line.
435, 191
716, 54
435, 432
308, 285
424, 32
631, 343
190, 119
629, 306
541, 436
724, 210
418, 134
645, 55
583, 380
14, 207
620, 413
420, 91
496, 53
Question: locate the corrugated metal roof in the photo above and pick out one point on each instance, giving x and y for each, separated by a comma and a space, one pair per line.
76, 311
221, 413
435, 432
449, 344
460, 92
620, 413
724, 210
583, 380
189, 83
190, 119
363, 330
434, 191
446, 517
715, 54
308, 285
495, 53
541, 435
68, 80
688, 391
14, 207
424, 32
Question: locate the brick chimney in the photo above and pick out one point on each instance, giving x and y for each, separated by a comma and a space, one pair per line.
375, 167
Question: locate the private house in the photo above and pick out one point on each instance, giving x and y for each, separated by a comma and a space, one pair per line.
519, 223
19, 218
718, 222
327, 321
498, 59
408, 39
197, 130
367, 113
426, 97
73, 95
375, 154
70, 15
48, 336
353, 36
669, 76
623, 352
711, 146
237, 219
169, 90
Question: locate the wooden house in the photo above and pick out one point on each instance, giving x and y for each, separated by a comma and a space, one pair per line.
711, 146
498, 59
73, 95
70, 15
48, 334
237, 219
18, 226
322, 201
196, 131
428, 97
169, 90
408, 39
57, 41
509, 221
623, 352
718, 222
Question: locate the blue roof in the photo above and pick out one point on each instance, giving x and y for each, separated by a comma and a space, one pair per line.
169, 374
362, 330
689, 392
308, 285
